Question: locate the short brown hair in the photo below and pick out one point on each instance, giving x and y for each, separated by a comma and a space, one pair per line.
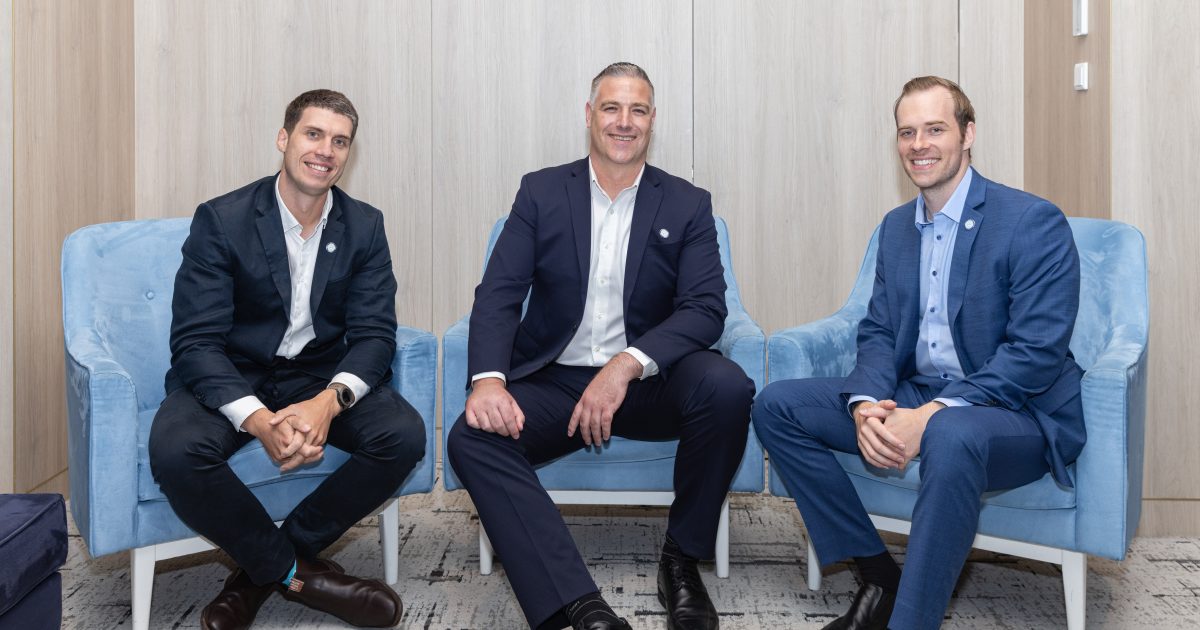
963, 111
335, 102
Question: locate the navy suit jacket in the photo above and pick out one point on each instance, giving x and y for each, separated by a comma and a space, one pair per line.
674, 292
233, 294
1013, 296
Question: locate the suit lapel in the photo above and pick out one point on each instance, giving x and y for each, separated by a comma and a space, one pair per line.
909, 252
331, 242
645, 209
969, 225
270, 233
579, 197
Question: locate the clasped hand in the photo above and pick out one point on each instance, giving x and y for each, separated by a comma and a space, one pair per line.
296, 434
889, 436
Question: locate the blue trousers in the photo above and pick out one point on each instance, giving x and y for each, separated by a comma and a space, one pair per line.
965, 451
704, 401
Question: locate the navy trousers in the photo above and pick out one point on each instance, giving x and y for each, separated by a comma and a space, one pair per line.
704, 401
190, 446
965, 451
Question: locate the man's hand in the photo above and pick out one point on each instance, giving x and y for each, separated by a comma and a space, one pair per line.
594, 412
898, 432
491, 408
878, 446
284, 445
311, 417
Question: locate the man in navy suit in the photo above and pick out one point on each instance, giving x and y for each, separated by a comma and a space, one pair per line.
284, 329
626, 296
962, 359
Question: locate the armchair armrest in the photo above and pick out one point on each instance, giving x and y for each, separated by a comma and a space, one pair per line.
825, 347
102, 427
414, 376
744, 343
454, 381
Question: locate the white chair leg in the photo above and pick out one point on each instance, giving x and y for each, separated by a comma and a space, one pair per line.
389, 536
723, 541
814, 566
141, 578
1074, 568
485, 553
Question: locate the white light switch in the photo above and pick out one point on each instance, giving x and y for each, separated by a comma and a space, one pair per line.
1081, 76
1079, 17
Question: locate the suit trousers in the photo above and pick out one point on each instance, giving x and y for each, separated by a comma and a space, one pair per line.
704, 401
190, 446
965, 451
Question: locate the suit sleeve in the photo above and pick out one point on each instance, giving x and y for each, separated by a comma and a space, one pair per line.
202, 314
874, 372
1043, 302
496, 312
371, 312
698, 317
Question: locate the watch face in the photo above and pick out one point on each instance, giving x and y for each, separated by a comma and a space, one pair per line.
345, 396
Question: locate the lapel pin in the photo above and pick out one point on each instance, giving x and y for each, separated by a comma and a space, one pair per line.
663, 233
970, 224
330, 247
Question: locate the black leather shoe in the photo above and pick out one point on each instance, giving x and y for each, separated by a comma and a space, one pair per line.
596, 619
235, 607
871, 610
682, 593
324, 586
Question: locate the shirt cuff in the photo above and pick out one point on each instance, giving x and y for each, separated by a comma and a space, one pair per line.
355, 384
649, 367
499, 375
240, 409
857, 398
953, 402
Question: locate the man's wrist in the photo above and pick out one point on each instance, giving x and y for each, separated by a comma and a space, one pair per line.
329, 397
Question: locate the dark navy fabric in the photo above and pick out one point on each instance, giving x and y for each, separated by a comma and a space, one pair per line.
33, 543
41, 609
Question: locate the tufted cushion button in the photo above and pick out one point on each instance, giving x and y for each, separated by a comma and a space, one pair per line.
150, 295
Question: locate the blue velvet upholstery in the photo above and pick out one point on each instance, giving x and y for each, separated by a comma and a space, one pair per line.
1100, 515
117, 283
625, 465
33, 546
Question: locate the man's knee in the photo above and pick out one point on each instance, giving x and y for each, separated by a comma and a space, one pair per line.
950, 446
179, 445
723, 384
778, 404
401, 438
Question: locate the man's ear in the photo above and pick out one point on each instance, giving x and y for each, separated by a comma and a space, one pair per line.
281, 140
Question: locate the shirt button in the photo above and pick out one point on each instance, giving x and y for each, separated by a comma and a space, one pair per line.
939, 237
934, 344
595, 348
945, 376
935, 272
932, 309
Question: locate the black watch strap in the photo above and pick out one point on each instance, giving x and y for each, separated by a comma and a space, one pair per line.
345, 395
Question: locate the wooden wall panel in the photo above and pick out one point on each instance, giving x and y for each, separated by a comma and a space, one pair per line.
510, 83
213, 79
1067, 146
1156, 140
991, 72
6, 251
795, 136
73, 157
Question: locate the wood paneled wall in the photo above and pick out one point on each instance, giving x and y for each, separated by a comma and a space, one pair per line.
72, 166
6, 251
1156, 146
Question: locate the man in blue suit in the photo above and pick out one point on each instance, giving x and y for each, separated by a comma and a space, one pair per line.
626, 296
962, 360
283, 329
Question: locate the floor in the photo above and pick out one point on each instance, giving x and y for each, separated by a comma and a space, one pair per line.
1157, 586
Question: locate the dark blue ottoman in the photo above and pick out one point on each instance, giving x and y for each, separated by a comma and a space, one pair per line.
33, 545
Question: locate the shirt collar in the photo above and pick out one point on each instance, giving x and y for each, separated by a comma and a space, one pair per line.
954, 206
636, 182
289, 221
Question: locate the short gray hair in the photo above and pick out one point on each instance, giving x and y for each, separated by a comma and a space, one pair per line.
621, 69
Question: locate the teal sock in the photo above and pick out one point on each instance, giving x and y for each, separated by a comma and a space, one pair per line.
287, 579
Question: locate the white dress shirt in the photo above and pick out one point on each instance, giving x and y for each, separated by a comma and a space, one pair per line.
302, 263
601, 333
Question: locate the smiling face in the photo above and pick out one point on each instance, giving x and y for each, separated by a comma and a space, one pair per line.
314, 152
619, 121
932, 148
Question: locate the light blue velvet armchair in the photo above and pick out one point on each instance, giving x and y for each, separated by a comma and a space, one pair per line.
625, 472
117, 283
1041, 520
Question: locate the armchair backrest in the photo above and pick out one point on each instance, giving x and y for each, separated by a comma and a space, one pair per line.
118, 279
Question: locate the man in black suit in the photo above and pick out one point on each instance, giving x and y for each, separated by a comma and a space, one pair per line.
626, 296
283, 330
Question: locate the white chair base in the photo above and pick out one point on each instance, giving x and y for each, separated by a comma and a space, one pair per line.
1073, 563
605, 497
142, 560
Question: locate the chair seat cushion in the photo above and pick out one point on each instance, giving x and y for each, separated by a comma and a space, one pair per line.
1043, 494
251, 464
33, 543
648, 466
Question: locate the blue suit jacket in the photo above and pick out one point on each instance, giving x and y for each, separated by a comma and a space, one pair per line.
233, 294
1013, 296
674, 293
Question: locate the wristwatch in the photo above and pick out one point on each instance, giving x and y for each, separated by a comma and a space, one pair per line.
345, 395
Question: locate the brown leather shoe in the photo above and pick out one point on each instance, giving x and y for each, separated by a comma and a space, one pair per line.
236, 605
324, 586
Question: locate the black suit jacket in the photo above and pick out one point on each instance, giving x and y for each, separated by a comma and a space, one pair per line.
674, 293
233, 290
